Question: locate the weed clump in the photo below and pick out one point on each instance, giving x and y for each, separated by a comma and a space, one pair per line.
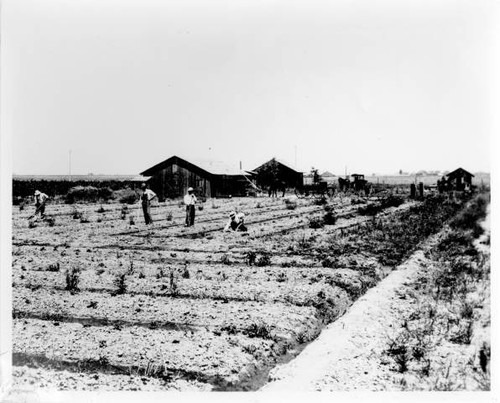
260, 330
316, 222
72, 276
120, 282
290, 204
263, 260
251, 257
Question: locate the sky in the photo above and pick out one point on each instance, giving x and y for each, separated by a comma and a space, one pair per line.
362, 86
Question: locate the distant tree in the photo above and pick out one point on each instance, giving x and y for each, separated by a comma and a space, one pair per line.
401, 172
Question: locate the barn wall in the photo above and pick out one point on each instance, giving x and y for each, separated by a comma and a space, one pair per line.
174, 180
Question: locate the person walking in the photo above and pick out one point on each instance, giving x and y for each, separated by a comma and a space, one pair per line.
146, 197
40, 200
190, 201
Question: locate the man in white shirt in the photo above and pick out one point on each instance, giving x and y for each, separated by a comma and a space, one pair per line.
190, 201
147, 196
40, 200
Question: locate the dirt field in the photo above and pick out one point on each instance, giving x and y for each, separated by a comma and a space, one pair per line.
102, 302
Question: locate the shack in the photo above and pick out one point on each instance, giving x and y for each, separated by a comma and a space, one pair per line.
459, 179
171, 178
276, 174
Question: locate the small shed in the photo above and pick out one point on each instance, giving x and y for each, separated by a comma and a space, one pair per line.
275, 173
171, 178
459, 179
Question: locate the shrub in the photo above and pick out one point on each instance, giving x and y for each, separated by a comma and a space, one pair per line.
291, 204
126, 196
316, 222
131, 220
83, 194
320, 200
72, 276
251, 258
100, 209
51, 221
263, 260
169, 216
260, 330
76, 214
328, 262
173, 288
224, 259
185, 272
84, 219
53, 267
120, 282
329, 218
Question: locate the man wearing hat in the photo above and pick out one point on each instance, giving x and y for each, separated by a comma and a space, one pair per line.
147, 196
40, 199
190, 201
236, 222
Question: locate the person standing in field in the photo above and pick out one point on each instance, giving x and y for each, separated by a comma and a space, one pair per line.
40, 200
146, 197
190, 201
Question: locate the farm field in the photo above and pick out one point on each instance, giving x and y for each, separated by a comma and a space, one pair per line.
103, 302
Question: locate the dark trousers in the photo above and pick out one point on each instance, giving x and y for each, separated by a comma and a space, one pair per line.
146, 208
190, 215
238, 227
40, 208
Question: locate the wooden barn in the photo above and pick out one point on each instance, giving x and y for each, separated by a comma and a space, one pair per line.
459, 179
276, 173
172, 177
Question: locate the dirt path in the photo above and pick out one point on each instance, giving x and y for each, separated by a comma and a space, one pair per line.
348, 355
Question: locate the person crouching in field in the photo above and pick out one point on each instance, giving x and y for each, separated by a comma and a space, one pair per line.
190, 201
146, 197
236, 222
40, 200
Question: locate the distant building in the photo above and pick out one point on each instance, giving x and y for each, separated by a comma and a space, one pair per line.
459, 179
172, 177
328, 177
276, 173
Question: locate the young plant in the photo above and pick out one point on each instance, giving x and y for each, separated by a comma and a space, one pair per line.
72, 276
120, 282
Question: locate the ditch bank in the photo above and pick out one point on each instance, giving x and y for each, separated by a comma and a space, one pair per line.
341, 354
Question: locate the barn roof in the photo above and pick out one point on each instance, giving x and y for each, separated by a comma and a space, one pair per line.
327, 173
210, 166
458, 171
280, 161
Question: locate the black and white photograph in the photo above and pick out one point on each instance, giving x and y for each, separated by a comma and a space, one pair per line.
271, 197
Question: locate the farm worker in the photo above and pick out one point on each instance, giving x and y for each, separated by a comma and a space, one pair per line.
40, 200
236, 222
190, 201
146, 197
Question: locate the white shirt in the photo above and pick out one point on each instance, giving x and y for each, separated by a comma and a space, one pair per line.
41, 198
190, 199
149, 194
